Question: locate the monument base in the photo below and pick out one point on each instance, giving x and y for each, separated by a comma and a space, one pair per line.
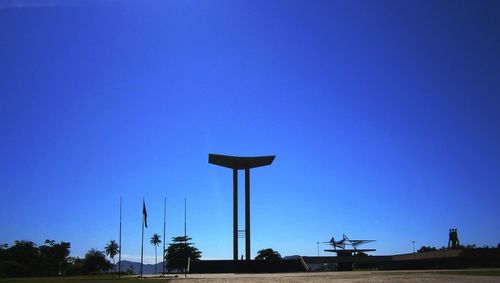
244, 266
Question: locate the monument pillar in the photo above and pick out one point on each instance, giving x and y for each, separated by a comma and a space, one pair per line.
247, 213
235, 214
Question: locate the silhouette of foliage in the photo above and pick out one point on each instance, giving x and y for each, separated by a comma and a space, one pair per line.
75, 267
179, 251
53, 258
24, 253
466, 247
10, 268
24, 258
470, 247
3, 251
155, 241
95, 261
112, 250
426, 249
268, 254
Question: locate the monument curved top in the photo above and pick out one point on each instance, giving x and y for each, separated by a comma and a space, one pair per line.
240, 162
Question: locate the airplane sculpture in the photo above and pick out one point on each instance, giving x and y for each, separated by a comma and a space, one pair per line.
341, 244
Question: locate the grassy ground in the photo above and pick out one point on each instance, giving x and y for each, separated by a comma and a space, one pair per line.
72, 279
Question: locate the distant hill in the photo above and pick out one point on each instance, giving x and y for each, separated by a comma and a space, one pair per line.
136, 266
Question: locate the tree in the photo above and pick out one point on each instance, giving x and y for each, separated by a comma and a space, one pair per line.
24, 253
95, 261
179, 251
3, 252
111, 250
426, 249
268, 254
24, 258
155, 241
53, 257
76, 267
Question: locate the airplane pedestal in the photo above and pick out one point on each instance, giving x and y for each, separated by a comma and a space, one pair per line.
347, 265
345, 257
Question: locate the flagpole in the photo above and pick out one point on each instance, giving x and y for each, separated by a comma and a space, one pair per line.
185, 234
120, 242
185, 231
142, 240
164, 228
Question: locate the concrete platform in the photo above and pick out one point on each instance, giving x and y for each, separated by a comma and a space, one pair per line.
352, 276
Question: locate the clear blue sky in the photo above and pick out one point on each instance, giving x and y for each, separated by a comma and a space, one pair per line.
384, 117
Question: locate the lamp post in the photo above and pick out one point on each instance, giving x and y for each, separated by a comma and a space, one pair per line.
317, 243
413, 242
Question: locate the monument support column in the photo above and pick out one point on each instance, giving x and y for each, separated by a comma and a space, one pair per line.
247, 213
235, 214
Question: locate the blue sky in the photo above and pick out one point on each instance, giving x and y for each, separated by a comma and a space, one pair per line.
384, 117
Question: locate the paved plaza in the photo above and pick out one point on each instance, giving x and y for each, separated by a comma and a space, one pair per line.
490, 275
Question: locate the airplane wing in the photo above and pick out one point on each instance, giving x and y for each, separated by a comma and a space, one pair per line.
332, 241
359, 242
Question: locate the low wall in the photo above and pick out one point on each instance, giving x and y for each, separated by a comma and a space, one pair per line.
243, 266
459, 258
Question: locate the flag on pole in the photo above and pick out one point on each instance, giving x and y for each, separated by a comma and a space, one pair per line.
144, 214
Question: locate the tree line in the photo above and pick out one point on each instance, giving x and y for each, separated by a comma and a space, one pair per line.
25, 258
466, 247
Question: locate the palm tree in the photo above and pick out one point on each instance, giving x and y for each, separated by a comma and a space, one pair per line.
155, 241
111, 250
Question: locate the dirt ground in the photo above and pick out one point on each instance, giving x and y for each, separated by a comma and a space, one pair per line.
353, 276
